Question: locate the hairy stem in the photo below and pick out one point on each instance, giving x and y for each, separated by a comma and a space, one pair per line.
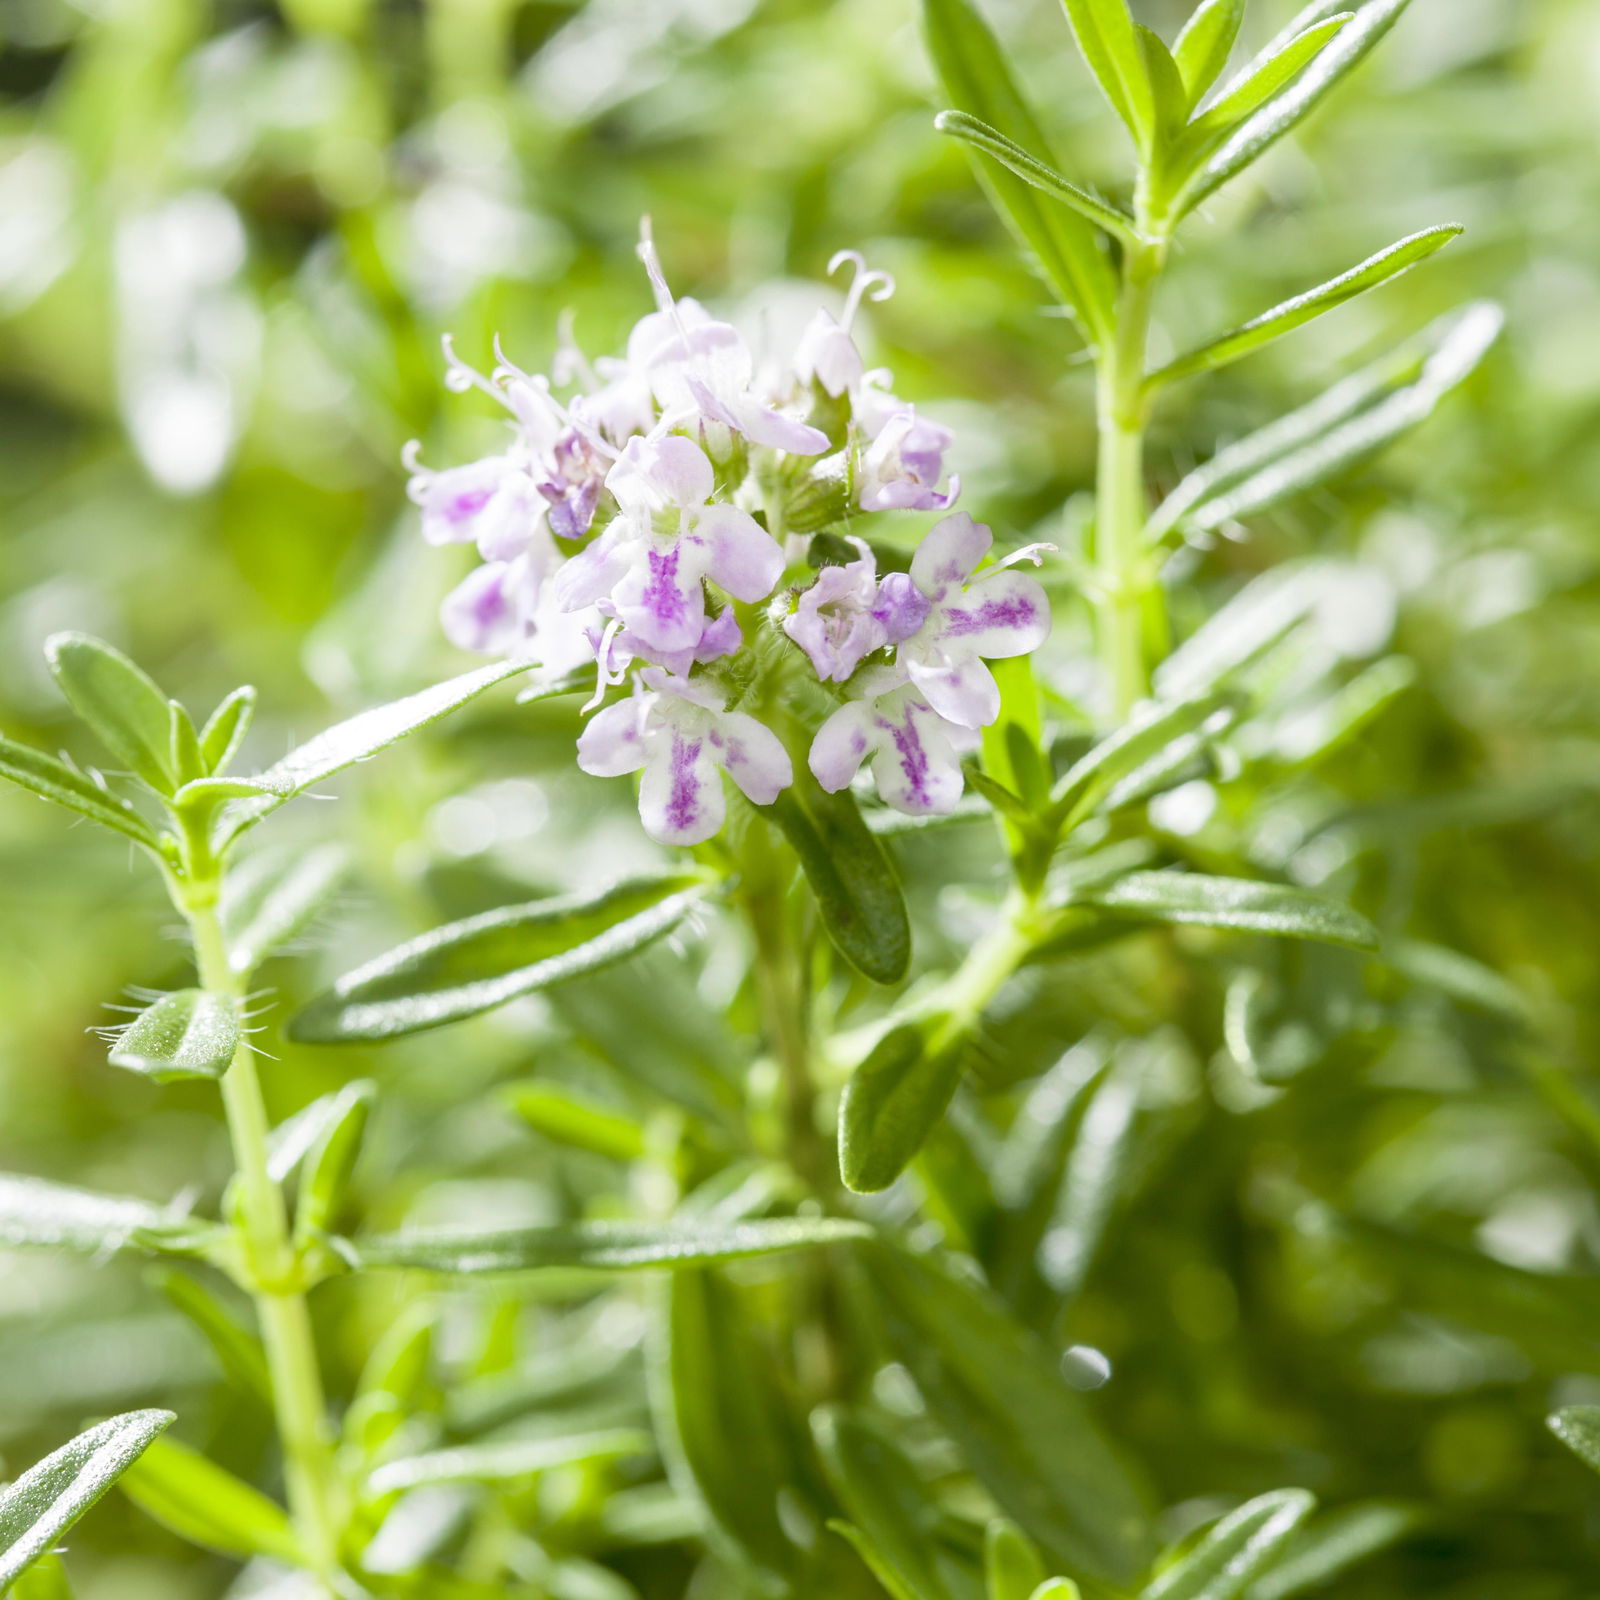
1124, 580
271, 1268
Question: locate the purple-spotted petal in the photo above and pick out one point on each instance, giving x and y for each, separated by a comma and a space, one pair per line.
916, 768
595, 571
961, 689
900, 607
613, 741
1003, 615
753, 755
659, 597
453, 501
681, 799
655, 474
740, 554
482, 613
841, 744
947, 556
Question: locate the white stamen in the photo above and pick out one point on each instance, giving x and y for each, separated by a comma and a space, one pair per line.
865, 284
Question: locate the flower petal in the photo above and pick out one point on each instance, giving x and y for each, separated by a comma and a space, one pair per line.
681, 799
916, 768
1003, 615
753, 754
841, 744
659, 598
482, 613
613, 741
741, 555
595, 571
960, 688
947, 556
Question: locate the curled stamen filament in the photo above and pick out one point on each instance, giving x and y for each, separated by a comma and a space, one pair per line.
865, 284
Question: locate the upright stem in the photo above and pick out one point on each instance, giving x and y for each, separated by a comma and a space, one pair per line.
1122, 568
272, 1269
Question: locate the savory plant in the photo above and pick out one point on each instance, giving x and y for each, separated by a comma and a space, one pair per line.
732, 556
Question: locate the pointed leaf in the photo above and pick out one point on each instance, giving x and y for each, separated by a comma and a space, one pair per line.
1235, 1550
183, 746
893, 1101
237, 1349
1251, 622
1349, 421
190, 1034
599, 1246
45, 1580
45, 1501
976, 79
1024, 1432
852, 878
883, 1498
1169, 99
1012, 1566
1201, 901
876, 1561
64, 785
1107, 38
330, 1161
1329, 1545
35, 1213
118, 701
271, 897
469, 967
359, 738
1304, 308
1286, 109
205, 1504
1262, 79
970, 131
226, 727
507, 1462
1203, 48
579, 1123
1578, 1428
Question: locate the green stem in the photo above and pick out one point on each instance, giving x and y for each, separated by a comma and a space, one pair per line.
272, 1268
1123, 576
990, 962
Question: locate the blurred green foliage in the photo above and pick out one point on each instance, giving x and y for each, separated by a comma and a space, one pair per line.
230, 238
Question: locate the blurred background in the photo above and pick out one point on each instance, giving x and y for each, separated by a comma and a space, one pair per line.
231, 236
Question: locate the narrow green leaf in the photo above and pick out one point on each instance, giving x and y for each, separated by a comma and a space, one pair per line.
39, 1214
469, 967
717, 1400
330, 1161
237, 1349
893, 1101
1262, 79
1285, 110
970, 131
205, 1504
1169, 99
184, 759
972, 68
1012, 1566
874, 1559
1058, 1589
884, 1499
569, 1120
272, 896
1139, 741
507, 1462
296, 1136
1203, 47
226, 727
358, 739
1291, 314
1107, 38
1235, 1550
1578, 1428
857, 892
599, 1246
64, 785
190, 1034
1351, 420
118, 701
1329, 1545
1201, 901
45, 1501
1024, 1432
46, 1579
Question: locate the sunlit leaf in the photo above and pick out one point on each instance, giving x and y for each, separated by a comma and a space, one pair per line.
1235, 1550
190, 1034
1578, 1428
977, 79
1203, 47
1202, 901
472, 966
237, 1349
46, 1500
506, 1462
52, 1216
331, 1159
1012, 1566
893, 1101
1262, 79
1107, 37
569, 1120
207, 1505
118, 701
1328, 1545
272, 896
599, 1246
358, 739
64, 785
225, 729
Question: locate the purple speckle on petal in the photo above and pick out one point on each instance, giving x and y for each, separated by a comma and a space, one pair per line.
683, 803
662, 597
1016, 612
913, 761
901, 607
465, 506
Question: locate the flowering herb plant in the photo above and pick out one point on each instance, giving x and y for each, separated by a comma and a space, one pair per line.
757, 571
